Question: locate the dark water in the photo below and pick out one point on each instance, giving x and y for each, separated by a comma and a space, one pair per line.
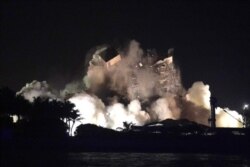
156, 159
55, 159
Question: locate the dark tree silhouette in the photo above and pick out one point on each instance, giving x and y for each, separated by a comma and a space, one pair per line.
69, 114
51, 117
44, 117
91, 130
7, 101
11, 105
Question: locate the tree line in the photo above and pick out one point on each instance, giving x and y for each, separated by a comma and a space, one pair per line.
42, 118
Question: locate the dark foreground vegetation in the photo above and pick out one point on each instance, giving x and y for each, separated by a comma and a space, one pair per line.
43, 126
91, 138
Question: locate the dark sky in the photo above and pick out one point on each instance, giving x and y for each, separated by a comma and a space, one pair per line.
49, 40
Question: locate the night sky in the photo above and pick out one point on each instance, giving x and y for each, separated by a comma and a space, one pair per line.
49, 40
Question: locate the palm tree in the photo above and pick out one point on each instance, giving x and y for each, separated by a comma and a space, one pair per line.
55, 110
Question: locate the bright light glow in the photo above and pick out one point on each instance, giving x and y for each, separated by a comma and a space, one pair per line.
245, 106
14, 118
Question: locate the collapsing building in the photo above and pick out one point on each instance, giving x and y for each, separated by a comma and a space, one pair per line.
135, 76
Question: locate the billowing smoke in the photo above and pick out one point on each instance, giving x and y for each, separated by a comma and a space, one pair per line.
228, 118
199, 94
165, 108
71, 89
91, 109
37, 89
118, 114
126, 74
196, 105
134, 87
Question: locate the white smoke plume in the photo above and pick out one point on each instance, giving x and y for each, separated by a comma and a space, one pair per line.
228, 118
92, 110
118, 114
199, 94
71, 89
37, 89
165, 108
196, 105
